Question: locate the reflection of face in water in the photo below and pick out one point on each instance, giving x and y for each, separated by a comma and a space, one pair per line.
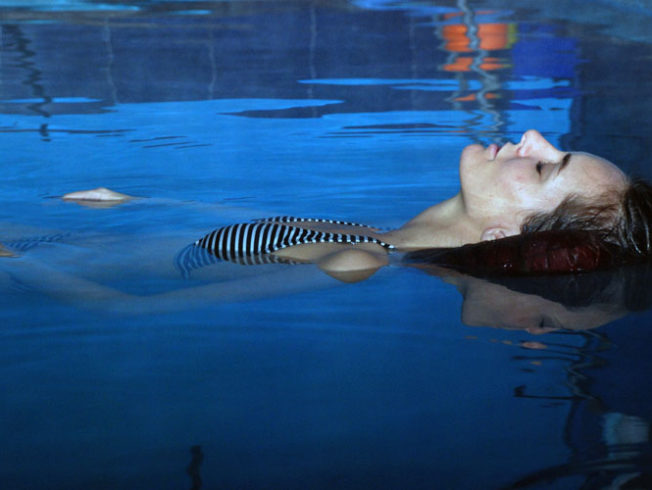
494, 305
547, 303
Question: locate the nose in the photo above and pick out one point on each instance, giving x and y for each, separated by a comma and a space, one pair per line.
533, 144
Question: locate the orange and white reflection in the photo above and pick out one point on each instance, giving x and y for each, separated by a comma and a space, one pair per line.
472, 46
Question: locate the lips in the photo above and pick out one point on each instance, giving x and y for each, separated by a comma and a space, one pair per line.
493, 150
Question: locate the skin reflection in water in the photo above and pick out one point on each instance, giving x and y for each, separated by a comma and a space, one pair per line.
548, 303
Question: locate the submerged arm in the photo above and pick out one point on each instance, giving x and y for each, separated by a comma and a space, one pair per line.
90, 294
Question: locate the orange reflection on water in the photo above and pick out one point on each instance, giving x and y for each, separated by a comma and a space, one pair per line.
461, 38
472, 97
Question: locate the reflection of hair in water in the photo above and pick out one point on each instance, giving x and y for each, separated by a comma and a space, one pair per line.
572, 268
625, 286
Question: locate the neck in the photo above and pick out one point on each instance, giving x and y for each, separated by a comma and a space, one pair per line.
444, 225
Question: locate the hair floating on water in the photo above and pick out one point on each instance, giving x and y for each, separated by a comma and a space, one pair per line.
545, 252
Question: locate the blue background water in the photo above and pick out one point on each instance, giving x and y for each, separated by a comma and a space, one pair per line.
223, 111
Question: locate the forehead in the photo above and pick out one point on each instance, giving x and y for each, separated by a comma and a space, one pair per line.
592, 169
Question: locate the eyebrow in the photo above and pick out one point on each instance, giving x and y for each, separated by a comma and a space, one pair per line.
564, 162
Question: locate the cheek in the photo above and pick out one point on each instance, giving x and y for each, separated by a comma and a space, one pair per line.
516, 173
528, 197
514, 184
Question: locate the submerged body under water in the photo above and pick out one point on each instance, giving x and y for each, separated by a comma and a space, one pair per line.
121, 371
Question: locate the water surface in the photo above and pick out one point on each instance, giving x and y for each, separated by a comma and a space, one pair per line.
118, 372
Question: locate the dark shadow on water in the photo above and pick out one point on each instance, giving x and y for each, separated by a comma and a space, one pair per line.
608, 427
608, 448
608, 441
13, 38
193, 468
633, 472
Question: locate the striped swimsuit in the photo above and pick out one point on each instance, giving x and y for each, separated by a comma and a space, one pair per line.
254, 242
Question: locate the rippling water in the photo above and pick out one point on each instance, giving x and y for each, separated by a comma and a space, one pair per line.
117, 372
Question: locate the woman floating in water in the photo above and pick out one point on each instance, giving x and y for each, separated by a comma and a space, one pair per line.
524, 208
519, 188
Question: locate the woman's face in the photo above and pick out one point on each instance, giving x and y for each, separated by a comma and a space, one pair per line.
502, 186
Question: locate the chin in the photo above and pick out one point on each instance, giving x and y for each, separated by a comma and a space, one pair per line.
472, 156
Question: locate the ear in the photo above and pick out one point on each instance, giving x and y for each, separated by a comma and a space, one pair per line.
497, 232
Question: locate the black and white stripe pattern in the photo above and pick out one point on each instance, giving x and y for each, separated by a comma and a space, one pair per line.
254, 243
249, 239
25, 244
294, 219
193, 257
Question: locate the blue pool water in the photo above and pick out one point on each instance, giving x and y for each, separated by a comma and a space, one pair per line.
118, 372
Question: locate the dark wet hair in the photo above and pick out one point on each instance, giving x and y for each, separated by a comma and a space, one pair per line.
581, 234
620, 217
